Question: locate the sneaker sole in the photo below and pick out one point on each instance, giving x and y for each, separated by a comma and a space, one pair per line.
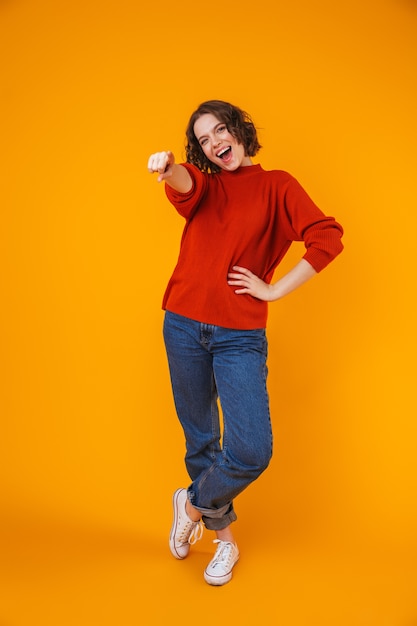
174, 527
217, 581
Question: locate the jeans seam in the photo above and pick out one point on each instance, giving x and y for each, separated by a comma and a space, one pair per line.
214, 420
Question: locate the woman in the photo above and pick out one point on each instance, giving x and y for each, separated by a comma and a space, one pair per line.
239, 222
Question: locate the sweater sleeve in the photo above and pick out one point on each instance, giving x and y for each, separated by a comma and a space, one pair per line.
187, 203
320, 233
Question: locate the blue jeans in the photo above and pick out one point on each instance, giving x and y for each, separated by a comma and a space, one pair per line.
206, 363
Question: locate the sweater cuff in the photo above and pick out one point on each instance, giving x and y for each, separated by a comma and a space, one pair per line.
319, 259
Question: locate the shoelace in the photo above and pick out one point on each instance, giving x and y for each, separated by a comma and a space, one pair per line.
196, 533
192, 532
223, 554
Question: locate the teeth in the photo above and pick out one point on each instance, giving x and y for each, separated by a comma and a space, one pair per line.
219, 154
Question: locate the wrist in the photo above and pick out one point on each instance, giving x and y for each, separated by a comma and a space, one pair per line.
275, 291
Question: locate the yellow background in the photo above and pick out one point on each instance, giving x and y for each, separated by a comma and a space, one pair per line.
90, 448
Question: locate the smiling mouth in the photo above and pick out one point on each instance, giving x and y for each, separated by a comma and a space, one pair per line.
224, 153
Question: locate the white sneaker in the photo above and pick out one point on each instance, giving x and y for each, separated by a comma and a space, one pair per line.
219, 570
184, 531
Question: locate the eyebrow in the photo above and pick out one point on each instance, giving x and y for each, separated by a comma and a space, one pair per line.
214, 128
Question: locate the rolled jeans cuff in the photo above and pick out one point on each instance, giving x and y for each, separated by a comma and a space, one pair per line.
215, 519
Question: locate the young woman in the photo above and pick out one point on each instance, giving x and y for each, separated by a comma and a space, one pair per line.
239, 222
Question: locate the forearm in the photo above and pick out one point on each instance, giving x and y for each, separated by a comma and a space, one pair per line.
179, 179
297, 276
249, 283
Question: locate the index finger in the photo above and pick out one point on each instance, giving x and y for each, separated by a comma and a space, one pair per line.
242, 270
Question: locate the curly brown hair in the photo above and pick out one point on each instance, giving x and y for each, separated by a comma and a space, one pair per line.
239, 124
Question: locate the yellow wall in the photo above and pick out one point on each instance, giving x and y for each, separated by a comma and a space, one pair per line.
88, 241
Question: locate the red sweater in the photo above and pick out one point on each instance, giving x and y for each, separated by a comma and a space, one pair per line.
248, 217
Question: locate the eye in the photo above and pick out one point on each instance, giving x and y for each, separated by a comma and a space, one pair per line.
222, 128
203, 142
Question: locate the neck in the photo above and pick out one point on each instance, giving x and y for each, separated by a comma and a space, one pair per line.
246, 161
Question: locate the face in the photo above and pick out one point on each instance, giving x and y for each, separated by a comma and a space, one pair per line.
219, 146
